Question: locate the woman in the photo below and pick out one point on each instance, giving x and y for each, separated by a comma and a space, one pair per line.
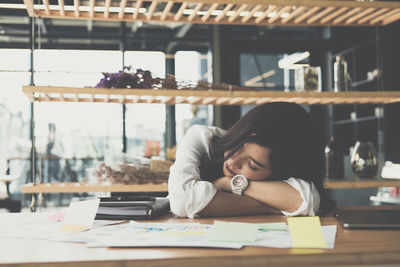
268, 162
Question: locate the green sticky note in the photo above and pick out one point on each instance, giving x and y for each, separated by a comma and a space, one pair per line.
233, 232
306, 232
278, 226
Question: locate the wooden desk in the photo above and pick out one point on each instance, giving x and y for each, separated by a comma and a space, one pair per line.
351, 247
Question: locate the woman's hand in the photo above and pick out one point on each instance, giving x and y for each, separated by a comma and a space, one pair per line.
223, 184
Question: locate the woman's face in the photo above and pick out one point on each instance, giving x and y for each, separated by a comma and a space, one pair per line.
251, 160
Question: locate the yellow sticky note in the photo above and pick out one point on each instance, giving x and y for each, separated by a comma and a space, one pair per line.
306, 232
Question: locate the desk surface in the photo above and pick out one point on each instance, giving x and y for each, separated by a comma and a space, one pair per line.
351, 247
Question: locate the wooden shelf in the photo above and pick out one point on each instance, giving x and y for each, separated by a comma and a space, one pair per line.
85, 188
203, 97
240, 12
360, 183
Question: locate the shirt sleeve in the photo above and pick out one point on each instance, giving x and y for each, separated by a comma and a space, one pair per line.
188, 194
310, 196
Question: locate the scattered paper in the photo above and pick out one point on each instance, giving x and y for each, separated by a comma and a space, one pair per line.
306, 232
108, 233
58, 216
137, 234
80, 215
233, 232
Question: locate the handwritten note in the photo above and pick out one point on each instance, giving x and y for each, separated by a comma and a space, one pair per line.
306, 232
233, 232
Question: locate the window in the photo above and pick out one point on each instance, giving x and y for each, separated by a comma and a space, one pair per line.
200, 69
145, 123
14, 112
263, 72
87, 129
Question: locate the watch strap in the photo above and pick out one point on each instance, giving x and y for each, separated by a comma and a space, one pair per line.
241, 189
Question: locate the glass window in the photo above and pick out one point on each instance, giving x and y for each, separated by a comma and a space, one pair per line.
14, 114
145, 123
15, 59
192, 66
76, 132
78, 61
263, 71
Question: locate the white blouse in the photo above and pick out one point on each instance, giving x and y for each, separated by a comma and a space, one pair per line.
189, 194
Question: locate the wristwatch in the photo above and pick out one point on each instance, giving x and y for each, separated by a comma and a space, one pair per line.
239, 183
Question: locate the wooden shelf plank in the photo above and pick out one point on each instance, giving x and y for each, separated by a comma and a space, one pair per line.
360, 183
85, 188
217, 97
245, 12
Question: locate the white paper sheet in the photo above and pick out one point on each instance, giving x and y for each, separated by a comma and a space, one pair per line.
80, 215
281, 239
161, 235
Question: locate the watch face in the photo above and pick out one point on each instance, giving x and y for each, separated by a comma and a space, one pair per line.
238, 181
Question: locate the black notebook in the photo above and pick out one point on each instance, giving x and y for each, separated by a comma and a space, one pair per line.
132, 208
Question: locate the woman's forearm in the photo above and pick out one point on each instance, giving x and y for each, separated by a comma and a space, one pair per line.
276, 194
226, 204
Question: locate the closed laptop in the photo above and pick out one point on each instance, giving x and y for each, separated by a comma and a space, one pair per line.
368, 218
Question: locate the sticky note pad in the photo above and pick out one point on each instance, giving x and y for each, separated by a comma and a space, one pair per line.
233, 232
306, 232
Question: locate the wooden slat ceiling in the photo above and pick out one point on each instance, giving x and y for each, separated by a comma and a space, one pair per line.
243, 12
203, 97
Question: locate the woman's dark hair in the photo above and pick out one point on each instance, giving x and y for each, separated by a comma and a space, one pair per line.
289, 131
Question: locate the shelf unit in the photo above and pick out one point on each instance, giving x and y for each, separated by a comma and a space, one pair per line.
243, 12
203, 97
352, 123
199, 97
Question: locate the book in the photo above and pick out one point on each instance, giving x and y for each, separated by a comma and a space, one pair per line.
132, 208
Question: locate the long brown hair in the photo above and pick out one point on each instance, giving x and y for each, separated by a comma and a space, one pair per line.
288, 130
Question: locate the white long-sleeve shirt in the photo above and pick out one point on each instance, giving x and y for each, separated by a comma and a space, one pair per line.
189, 194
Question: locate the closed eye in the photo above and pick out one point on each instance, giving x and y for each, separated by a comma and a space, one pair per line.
256, 162
254, 168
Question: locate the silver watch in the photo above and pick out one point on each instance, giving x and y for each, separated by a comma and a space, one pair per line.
239, 183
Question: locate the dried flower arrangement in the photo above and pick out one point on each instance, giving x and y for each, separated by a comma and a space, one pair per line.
143, 79
127, 174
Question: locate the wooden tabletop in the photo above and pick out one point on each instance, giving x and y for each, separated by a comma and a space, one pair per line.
351, 247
